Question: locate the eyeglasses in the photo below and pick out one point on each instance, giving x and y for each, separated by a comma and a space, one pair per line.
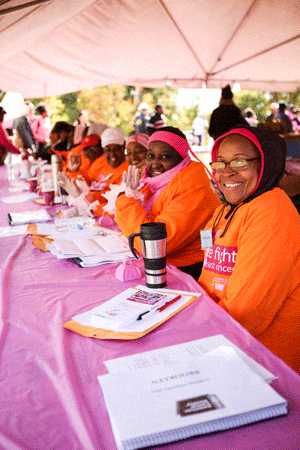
235, 164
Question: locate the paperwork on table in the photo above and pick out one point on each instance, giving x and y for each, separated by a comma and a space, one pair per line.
171, 355
20, 198
89, 246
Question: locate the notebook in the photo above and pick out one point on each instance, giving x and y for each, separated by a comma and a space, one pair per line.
154, 406
22, 218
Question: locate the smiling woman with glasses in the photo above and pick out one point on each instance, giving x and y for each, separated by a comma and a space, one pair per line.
252, 263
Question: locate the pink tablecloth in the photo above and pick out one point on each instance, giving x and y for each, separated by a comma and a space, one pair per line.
50, 396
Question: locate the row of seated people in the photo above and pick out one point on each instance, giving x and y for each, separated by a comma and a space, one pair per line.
249, 261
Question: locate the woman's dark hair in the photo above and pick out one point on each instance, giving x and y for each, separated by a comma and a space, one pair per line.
173, 130
282, 107
62, 126
40, 109
227, 93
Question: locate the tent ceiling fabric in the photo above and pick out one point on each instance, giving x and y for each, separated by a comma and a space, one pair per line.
55, 46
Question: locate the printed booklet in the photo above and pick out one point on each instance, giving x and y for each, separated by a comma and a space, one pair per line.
216, 392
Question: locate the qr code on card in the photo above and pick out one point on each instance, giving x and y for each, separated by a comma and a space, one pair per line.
148, 298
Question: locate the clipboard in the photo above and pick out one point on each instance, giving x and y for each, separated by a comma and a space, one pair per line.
106, 334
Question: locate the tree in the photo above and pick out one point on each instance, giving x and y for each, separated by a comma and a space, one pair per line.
63, 107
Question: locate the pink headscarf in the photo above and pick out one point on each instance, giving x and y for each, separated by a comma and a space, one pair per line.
140, 138
158, 183
179, 144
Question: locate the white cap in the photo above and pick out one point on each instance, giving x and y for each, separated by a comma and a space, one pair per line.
143, 106
14, 105
112, 136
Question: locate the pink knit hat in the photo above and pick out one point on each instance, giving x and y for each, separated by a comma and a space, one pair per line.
140, 138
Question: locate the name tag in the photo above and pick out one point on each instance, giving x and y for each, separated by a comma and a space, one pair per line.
206, 239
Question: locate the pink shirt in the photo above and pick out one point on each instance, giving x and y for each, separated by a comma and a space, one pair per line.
40, 129
6, 142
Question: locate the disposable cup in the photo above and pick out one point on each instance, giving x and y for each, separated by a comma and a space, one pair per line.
32, 184
49, 198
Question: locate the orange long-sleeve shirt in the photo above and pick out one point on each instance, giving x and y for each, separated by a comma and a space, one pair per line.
184, 205
253, 272
101, 166
84, 166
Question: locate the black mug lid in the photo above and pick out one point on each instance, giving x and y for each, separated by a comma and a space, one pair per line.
153, 231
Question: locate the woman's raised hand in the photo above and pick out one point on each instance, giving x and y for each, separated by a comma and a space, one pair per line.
74, 162
132, 177
68, 185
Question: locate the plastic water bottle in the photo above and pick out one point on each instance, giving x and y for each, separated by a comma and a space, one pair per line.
10, 170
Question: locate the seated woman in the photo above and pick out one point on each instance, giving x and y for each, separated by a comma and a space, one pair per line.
252, 268
81, 157
59, 141
104, 171
136, 150
177, 191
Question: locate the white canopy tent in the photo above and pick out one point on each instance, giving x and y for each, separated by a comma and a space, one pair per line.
50, 47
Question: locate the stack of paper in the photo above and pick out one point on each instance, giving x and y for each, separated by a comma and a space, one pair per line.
194, 396
90, 246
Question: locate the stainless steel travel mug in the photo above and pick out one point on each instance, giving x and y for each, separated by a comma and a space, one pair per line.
57, 166
154, 241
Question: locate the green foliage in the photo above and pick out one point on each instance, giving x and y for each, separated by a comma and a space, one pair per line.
62, 107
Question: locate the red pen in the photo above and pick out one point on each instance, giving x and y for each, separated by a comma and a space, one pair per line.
168, 303
140, 317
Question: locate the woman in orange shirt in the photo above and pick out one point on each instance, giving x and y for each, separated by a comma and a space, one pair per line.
173, 190
252, 264
81, 157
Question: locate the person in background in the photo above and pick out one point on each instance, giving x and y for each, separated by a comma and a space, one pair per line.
250, 117
199, 124
284, 118
82, 119
290, 182
226, 116
296, 120
6, 144
136, 150
105, 170
41, 128
174, 190
141, 121
274, 111
22, 132
252, 265
157, 120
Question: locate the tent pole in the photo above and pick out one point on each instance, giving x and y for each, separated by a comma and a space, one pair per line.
16, 8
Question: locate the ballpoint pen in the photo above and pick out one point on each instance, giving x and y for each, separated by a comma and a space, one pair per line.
160, 308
